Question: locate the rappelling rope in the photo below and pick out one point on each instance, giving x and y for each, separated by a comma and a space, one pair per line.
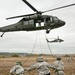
40, 43
40, 46
48, 45
32, 49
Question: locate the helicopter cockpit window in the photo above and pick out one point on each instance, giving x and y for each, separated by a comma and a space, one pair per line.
55, 18
47, 19
51, 19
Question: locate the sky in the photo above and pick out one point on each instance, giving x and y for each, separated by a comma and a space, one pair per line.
24, 41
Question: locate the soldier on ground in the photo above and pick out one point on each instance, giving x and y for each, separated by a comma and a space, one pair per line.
41, 66
17, 69
58, 66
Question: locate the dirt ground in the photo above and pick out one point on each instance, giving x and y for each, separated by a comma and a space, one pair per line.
7, 63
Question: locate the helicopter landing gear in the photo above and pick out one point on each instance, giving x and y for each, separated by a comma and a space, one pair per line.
2, 34
47, 31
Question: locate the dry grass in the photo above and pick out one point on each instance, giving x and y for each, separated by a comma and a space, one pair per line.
7, 63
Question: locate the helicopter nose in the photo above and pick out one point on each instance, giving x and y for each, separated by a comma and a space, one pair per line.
62, 22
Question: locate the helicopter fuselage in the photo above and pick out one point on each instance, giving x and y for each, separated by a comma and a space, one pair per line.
30, 21
57, 40
30, 24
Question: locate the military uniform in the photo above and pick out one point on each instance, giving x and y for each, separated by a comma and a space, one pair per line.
41, 66
17, 69
59, 67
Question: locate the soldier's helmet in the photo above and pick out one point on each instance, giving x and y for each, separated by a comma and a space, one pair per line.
40, 59
58, 58
18, 63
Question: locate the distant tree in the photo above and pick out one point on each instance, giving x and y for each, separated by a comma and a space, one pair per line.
2, 56
15, 55
67, 55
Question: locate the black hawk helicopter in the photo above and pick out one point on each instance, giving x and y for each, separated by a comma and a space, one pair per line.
55, 40
28, 23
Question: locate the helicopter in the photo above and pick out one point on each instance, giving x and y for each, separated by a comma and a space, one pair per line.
29, 21
55, 40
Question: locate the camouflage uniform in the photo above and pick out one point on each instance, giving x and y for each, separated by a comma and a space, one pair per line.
59, 67
17, 69
41, 66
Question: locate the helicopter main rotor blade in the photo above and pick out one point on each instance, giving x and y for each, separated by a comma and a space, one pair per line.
30, 5
59, 8
20, 16
37, 12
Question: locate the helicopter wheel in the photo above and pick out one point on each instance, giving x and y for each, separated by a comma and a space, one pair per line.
47, 32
